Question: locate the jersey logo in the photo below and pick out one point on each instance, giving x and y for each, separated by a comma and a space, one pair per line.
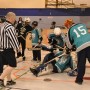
22, 31
80, 31
33, 35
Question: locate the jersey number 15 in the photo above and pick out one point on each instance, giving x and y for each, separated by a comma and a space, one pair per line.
80, 31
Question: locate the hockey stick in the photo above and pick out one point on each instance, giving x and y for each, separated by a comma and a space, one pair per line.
22, 75
22, 37
31, 49
50, 60
54, 58
34, 48
58, 47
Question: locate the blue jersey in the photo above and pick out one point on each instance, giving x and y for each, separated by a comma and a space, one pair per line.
59, 39
35, 36
78, 35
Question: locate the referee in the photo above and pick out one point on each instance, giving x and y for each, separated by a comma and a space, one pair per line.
2, 20
9, 42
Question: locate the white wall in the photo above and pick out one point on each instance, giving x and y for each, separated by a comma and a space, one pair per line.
85, 20
82, 1
45, 23
31, 3
22, 4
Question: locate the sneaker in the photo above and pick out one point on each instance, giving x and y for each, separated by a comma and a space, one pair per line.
24, 58
78, 82
73, 73
34, 71
1, 83
38, 61
34, 59
18, 54
55, 71
11, 82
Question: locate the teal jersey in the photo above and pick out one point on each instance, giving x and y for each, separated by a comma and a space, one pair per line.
35, 36
59, 39
79, 36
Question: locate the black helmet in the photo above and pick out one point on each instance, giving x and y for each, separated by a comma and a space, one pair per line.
35, 23
53, 23
2, 19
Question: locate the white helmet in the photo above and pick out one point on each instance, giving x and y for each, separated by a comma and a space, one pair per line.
57, 31
27, 19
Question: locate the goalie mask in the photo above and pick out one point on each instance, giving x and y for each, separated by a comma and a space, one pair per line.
57, 31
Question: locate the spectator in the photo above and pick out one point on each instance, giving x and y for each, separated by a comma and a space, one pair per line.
19, 24
53, 25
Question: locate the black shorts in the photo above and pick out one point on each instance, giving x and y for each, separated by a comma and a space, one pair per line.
1, 62
9, 57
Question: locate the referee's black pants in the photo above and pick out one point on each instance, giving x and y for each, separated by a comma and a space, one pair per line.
81, 66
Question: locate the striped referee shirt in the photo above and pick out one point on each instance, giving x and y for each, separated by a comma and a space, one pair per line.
8, 36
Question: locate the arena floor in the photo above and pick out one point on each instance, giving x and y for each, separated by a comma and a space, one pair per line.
25, 80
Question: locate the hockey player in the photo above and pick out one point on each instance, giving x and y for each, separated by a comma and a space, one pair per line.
22, 33
78, 35
36, 41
